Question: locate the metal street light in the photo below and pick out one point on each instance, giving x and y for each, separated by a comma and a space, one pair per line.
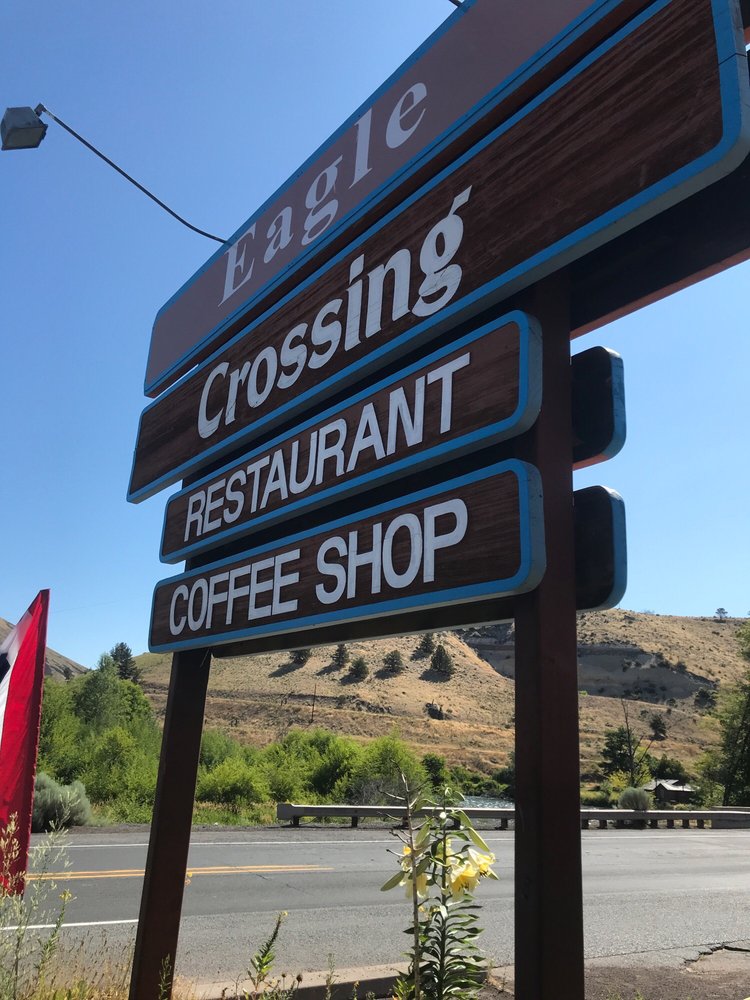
22, 128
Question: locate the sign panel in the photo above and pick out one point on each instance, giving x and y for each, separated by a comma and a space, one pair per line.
483, 389
476, 537
544, 188
480, 66
600, 547
601, 576
598, 404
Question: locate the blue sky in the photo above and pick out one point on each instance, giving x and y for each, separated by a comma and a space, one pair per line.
212, 107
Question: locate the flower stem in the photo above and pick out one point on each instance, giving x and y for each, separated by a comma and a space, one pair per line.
414, 896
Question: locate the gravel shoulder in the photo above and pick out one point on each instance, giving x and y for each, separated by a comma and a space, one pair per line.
722, 973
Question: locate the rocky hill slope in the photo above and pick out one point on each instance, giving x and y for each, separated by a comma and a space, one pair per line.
667, 665
55, 664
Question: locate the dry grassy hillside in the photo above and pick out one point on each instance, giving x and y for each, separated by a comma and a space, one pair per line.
54, 663
261, 697
659, 663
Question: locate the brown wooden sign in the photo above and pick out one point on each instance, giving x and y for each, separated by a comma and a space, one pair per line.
481, 390
470, 539
485, 62
601, 577
543, 189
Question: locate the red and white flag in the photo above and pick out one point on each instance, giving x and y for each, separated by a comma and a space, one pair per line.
21, 680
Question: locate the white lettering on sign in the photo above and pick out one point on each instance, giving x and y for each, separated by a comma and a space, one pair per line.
332, 451
341, 559
348, 569
320, 200
335, 327
193, 607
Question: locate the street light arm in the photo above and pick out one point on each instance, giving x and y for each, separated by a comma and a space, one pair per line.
40, 108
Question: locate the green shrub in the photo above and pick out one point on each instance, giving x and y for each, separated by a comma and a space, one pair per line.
287, 783
434, 765
97, 697
658, 726
335, 766
57, 806
140, 783
469, 782
233, 783
300, 656
595, 798
669, 767
506, 776
216, 747
634, 798
376, 775
705, 698
110, 759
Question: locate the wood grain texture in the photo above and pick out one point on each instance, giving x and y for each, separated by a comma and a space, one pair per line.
700, 237
192, 314
598, 575
490, 550
618, 127
485, 392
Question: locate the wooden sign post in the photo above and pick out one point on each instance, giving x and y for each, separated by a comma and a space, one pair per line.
458, 509
548, 889
166, 863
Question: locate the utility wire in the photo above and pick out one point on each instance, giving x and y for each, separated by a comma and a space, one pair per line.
40, 108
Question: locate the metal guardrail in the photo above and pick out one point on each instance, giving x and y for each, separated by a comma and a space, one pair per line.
719, 819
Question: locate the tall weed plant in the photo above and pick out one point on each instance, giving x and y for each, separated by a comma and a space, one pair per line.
30, 924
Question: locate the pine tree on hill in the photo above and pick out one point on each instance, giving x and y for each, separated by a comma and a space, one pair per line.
442, 662
359, 670
340, 656
393, 662
122, 655
426, 645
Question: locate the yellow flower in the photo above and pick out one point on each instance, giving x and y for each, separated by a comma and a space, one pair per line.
463, 878
482, 861
407, 866
449, 855
464, 873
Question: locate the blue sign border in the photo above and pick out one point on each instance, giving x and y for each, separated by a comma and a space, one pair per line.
417, 335
597, 12
524, 415
527, 577
724, 157
619, 421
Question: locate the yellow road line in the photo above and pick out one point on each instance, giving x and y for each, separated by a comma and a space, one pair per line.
67, 876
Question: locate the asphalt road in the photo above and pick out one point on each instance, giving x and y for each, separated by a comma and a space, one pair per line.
643, 891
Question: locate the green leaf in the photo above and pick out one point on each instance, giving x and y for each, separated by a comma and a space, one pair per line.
392, 882
469, 829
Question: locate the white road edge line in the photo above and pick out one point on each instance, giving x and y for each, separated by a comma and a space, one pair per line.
610, 835
83, 923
